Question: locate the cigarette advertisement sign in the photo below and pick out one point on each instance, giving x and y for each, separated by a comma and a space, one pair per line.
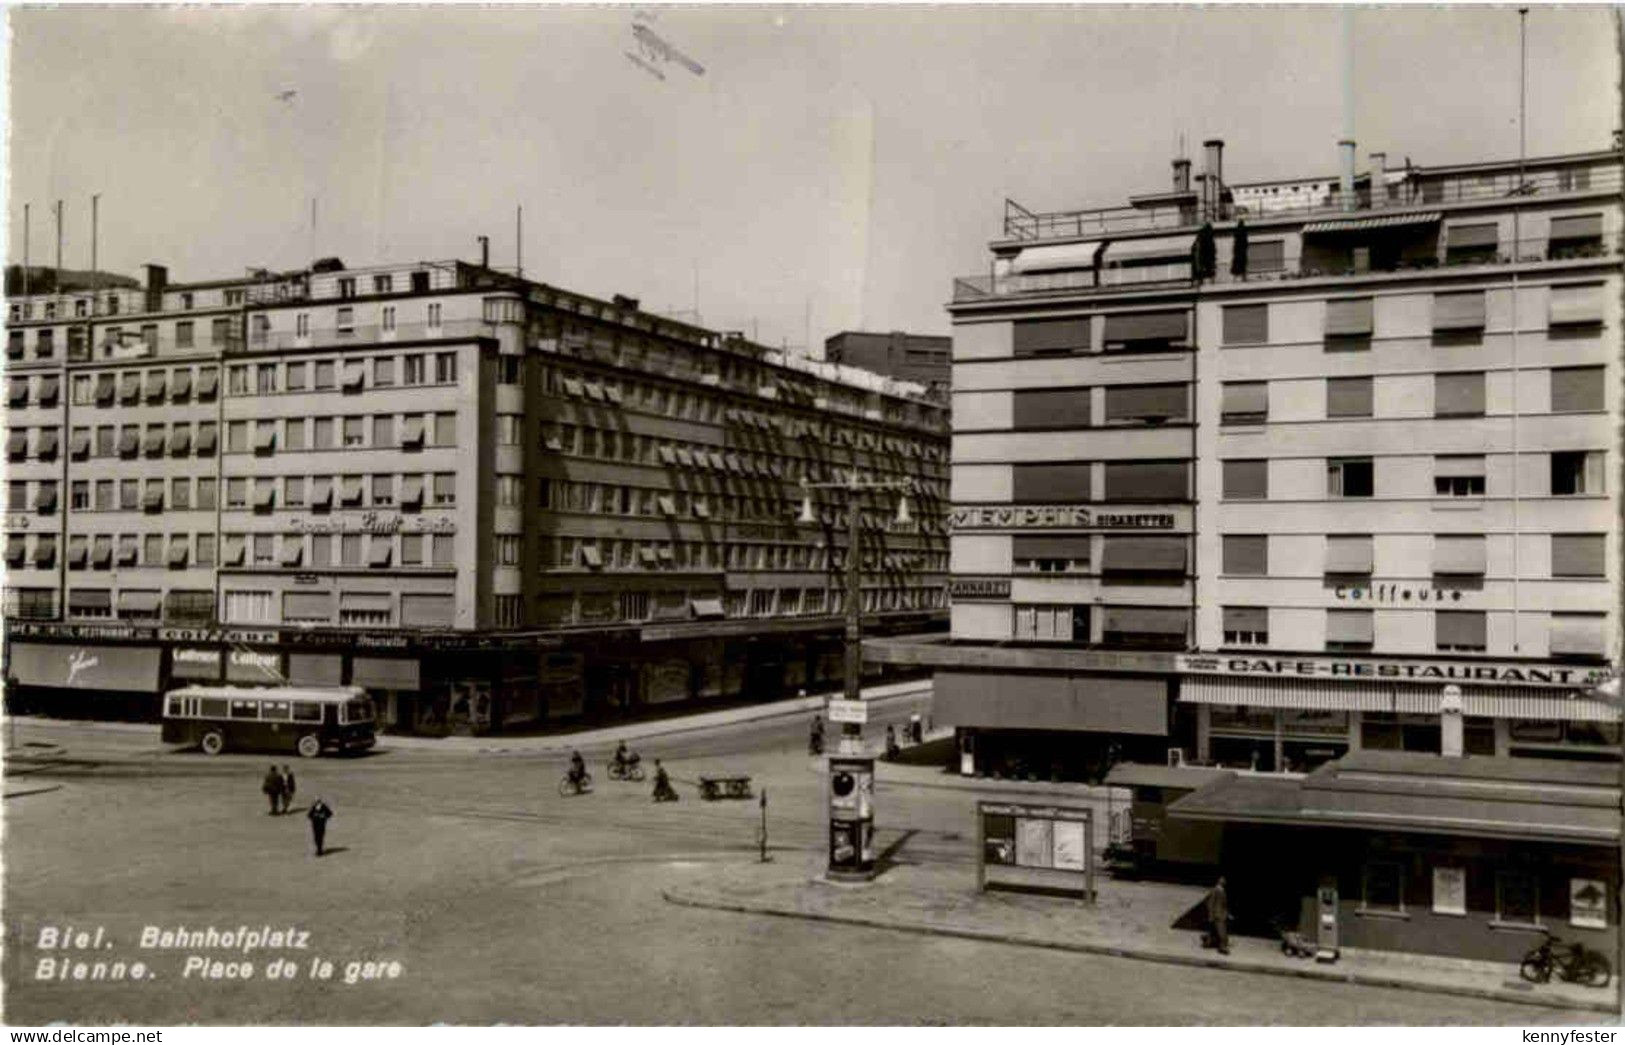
1036, 848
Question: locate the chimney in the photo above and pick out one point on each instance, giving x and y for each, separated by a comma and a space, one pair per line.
485, 251
1182, 175
1346, 178
157, 283
1213, 167
1379, 187
1450, 723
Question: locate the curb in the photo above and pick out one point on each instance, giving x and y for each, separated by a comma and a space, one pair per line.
675, 896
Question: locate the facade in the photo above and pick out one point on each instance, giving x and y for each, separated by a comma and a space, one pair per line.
490, 501
921, 359
1254, 471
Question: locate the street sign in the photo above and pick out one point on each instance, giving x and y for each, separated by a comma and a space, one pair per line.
853, 711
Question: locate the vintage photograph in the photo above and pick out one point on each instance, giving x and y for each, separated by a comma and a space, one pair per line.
843, 516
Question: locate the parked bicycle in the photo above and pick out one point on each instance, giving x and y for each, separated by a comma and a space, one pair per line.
1573, 963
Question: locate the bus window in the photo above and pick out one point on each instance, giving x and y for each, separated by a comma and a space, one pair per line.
173, 708
358, 711
245, 709
274, 710
211, 707
306, 711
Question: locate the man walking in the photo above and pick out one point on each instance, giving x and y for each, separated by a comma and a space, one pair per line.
1218, 916
320, 813
287, 789
272, 785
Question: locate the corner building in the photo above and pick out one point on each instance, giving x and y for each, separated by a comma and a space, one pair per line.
492, 502
1261, 513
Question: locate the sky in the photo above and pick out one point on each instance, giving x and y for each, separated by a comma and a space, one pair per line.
831, 168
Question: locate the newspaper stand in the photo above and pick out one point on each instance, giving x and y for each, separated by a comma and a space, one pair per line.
1035, 848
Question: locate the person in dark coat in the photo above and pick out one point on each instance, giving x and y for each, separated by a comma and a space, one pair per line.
1218, 916
273, 786
288, 789
320, 813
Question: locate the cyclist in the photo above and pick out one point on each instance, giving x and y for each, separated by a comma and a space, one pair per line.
578, 767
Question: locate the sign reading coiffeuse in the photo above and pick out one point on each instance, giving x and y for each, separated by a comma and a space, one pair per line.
1566, 676
1064, 517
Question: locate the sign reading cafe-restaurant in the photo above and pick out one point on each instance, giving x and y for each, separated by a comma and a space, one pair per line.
1064, 517
1384, 670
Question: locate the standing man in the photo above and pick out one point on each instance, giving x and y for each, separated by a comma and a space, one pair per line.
1218, 916
272, 785
320, 813
287, 789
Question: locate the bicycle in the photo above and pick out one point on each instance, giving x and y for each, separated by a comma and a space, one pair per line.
628, 770
571, 785
1573, 963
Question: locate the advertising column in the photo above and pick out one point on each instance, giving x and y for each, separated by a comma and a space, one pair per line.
851, 817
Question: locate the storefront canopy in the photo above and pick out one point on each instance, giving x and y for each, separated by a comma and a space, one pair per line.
126, 668
1097, 703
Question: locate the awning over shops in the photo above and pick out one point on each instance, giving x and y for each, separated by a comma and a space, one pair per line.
128, 668
1097, 703
1518, 702
315, 669
1307, 695
384, 673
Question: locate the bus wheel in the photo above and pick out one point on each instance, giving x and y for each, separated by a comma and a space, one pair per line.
213, 742
310, 745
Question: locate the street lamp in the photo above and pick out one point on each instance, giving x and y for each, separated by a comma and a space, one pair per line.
851, 774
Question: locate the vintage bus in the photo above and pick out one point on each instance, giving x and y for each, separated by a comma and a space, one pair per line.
306, 719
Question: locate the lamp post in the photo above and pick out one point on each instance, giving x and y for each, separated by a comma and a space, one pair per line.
851, 775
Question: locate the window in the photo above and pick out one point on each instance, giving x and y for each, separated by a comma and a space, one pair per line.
1577, 472
264, 549
510, 491
1348, 325
507, 550
294, 437
443, 550
1146, 404
412, 370
1246, 555
301, 325
236, 437
321, 549
1575, 236
1578, 555
381, 284
383, 371
82, 390
445, 430
326, 377
445, 489
323, 438
1579, 636
293, 491
247, 607
1459, 631
1050, 408
180, 494
1459, 313
1472, 244
1246, 480
237, 381
1578, 389
295, 376
1348, 397
383, 430
344, 322
509, 428
1036, 554
350, 549
383, 491
411, 549
1046, 337
1051, 623
129, 494
434, 324
265, 378
1145, 627
237, 493
445, 365
1244, 403
365, 609
1349, 477
206, 493
511, 370
1382, 887
346, 287
1458, 395
106, 441
79, 495
1458, 475
1349, 631
1517, 898
355, 431
1246, 324
45, 344
1575, 305
1146, 481
389, 319
205, 549
1459, 555
1246, 625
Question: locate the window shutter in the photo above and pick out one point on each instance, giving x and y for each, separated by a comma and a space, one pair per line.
1051, 408
1146, 620
1348, 316
1147, 481
1578, 634
1034, 547
1060, 483
1245, 399
1246, 324
1577, 226
1577, 388
1144, 554
1487, 234
1247, 555
1575, 305
1140, 402
1348, 397
1353, 626
1348, 554
1464, 311
1146, 326
1455, 466
1462, 555
1035, 337
1246, 618
1459, 628
1578, 555
1458, 395
1246, 480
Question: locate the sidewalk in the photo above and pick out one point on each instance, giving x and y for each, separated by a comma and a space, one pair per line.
1128, 920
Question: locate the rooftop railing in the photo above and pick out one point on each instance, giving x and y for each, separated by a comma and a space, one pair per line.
1116, 280
1416, 190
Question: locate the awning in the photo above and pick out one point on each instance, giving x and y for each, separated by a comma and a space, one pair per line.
49, 385
380, 553
182, 385
1304, 695
17, 394
1152, 247
177, 551
79, 444
412, 491
45, 500
384, 673
180, 442
668, 455
1573, 305
355, 374
153, 443
44, 550
17, 443
78, 551
133, 668
293, 552
572, 386
1148, 554
206, 439
153, 498
684, 457
704, 609
106, 388
1386, 221
315, 669
1146, 620
1146, 326
1095, 703
321, 491
1577, 226
350, 490
207, 381
129, 550
1059, 256
16, 549
265, 497
594, 390
1460, 629
591, 555
130, 387
129, 441
1453, 466
412, 432
138, 603
265, 440
156, 384
1348, 554
101, 555
232, 551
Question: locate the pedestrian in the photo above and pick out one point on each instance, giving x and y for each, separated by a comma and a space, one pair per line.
272, 785
892, 750
1218, 916
288, 789
320, 813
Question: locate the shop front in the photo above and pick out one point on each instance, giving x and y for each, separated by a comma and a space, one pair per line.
85, 678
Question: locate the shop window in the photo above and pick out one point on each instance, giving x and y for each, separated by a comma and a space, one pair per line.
1382, 888
1517, 899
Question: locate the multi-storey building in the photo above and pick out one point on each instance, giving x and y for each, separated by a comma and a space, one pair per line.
489, 500
1256, 471
923, 359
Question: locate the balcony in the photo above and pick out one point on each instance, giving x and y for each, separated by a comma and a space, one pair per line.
1311, 265
365, 334
1418, 190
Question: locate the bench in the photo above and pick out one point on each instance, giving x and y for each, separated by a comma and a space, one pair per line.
714, 787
